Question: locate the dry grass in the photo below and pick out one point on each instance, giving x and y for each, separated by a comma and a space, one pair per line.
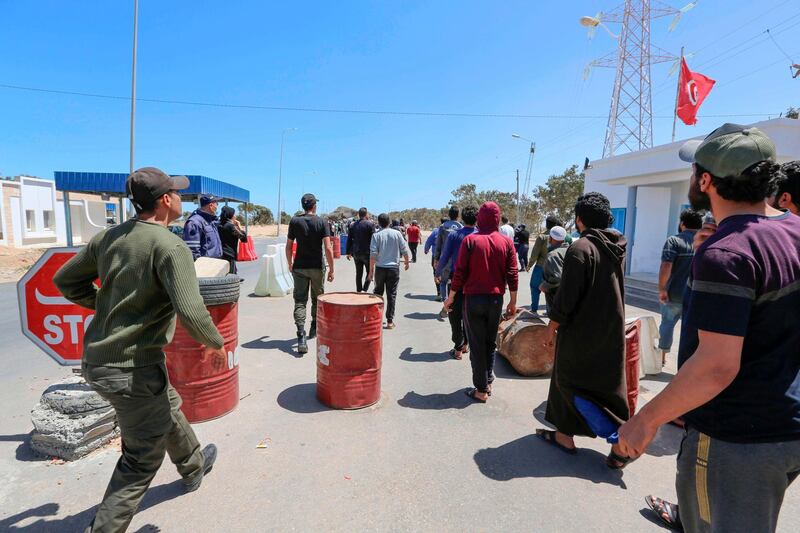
14, 262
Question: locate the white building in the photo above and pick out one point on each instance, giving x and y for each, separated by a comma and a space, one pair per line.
32, 213
648, 189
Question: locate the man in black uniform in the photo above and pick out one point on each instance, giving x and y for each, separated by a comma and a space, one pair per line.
311, 234
358, 238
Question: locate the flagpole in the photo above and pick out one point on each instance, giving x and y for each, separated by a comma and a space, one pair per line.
677, 96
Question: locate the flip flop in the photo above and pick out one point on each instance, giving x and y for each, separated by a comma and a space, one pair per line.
455, 354
471, 394
549, 436
617, 462
666, 512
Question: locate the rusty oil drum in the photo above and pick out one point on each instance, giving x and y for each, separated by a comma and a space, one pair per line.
337, 248
349, 348
207, 393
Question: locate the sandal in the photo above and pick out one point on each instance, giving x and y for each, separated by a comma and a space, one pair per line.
617, 462
471, 394
455, 354
549, 436
666, 512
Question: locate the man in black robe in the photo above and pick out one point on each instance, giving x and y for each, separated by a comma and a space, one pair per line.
588, 315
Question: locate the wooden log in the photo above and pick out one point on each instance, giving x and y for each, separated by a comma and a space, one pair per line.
520, 340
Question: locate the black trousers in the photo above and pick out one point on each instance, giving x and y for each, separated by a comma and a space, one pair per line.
388, 279
362, 271
413, 247
456, 318
481, 320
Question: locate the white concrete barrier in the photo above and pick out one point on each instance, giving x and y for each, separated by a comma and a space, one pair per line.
280, 251
649, 354
277, 284
262, 286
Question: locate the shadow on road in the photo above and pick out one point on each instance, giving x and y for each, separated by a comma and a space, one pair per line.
453, 400
301, 399
530, 456
428, 297
663, 377
422, 316
286, 346
504, 370
651, 517
406, 355
666, 442
79, 521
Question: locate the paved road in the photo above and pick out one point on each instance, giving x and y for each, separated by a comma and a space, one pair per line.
423, 459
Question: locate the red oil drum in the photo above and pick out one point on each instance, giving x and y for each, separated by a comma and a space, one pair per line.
337, 248
207, 393
632, 355
349, 348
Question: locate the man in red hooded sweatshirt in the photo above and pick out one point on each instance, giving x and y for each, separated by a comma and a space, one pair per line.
486, 264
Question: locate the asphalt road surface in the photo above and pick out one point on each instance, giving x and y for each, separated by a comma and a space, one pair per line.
423, 459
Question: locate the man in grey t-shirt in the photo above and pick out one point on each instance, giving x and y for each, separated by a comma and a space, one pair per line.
676, 261
384, 264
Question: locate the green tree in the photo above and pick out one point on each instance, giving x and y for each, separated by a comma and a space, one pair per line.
468, 194
285, 217
559, 193
256, 214
793, 112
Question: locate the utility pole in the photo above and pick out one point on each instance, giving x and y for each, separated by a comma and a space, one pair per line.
133, 84
518, 204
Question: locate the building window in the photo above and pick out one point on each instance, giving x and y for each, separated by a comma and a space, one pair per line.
49, 220
30, 220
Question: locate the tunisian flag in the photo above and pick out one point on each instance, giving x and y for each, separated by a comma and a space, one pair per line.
692, 90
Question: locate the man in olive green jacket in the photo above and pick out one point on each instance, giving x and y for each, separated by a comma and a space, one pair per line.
146, 276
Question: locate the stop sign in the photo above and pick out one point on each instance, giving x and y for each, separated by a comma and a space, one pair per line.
52, 322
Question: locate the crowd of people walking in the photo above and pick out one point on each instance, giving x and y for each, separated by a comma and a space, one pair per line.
733, 278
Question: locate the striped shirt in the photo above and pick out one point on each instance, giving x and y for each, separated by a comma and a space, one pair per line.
746, 283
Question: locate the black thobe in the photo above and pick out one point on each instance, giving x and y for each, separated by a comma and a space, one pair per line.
590, 345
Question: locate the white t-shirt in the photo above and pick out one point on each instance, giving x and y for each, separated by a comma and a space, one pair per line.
508, 231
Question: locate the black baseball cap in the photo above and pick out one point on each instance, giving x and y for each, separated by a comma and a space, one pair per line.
148, 184
308, 200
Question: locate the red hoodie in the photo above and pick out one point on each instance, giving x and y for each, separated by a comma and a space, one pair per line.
486, 261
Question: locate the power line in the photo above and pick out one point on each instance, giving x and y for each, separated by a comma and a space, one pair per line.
299, 109
284, 108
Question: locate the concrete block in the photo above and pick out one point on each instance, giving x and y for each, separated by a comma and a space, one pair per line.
73, 396
71, 436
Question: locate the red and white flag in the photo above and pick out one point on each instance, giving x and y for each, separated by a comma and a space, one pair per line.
692, 90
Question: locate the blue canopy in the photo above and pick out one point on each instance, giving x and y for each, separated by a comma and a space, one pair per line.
113, 183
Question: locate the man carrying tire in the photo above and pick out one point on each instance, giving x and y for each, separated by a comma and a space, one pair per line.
146, 277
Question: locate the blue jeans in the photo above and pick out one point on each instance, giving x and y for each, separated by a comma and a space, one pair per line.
536, 280
670, 313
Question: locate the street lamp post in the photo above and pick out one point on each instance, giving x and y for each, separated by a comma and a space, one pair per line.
280, 178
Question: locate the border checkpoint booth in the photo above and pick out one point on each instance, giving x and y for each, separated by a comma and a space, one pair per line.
207, 392
112, 185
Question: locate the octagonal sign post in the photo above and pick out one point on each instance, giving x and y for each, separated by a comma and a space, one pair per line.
52, 322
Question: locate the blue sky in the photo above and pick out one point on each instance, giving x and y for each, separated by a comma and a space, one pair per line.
469, 56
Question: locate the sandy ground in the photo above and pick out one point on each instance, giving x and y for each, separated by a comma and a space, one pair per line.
14, 262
